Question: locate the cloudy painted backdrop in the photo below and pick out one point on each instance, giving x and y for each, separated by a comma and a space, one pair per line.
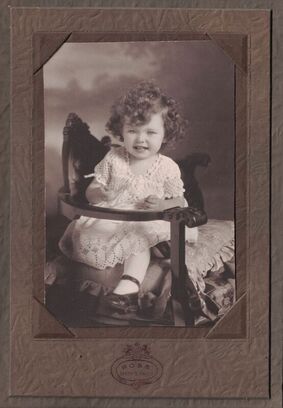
87, 77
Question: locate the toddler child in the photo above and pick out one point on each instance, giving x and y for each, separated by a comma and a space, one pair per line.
132, 177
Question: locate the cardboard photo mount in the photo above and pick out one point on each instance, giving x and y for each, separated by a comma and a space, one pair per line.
49, 359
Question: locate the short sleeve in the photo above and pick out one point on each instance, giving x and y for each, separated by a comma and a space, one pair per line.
103, 170
173, 184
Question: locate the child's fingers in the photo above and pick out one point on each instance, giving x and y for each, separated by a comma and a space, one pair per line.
150, 205
106, 191
147, 204
151, 199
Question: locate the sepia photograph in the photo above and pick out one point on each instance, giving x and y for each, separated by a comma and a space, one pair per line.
139, 184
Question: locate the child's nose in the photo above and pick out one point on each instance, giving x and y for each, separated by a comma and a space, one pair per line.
141, 136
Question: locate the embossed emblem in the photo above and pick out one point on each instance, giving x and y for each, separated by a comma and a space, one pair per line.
137, 367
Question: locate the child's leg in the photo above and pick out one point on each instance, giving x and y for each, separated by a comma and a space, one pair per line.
135, 266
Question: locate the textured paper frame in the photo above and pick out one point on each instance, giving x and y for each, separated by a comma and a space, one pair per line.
19, 303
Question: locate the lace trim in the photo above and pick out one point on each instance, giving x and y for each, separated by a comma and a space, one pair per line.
149, 172
100, 179
100, 252
215, 246
212, 262
163, 178
174, 188
102, 171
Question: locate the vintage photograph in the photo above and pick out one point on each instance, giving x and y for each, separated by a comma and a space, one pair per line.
140, 183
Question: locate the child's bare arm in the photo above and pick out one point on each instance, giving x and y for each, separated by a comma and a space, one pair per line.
154, 203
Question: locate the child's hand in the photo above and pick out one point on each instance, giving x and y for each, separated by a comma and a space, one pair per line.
154, 203
97, 193
107, 195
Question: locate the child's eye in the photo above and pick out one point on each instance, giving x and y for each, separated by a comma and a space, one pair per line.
151, 132
131, 131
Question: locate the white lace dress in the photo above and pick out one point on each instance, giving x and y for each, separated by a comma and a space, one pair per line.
104, 243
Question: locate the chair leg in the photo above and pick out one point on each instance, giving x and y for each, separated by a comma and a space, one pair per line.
179, 270
180, 293
178, 313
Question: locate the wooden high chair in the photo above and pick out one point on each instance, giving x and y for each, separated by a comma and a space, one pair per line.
81, 152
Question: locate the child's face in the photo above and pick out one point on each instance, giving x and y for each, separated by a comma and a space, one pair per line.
145, 140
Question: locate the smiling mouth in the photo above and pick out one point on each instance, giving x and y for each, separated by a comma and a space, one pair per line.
140, 148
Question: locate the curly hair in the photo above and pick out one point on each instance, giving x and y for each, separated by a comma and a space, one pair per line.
139, 104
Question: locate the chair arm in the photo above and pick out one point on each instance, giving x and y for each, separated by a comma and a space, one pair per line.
71, 208
192, 217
